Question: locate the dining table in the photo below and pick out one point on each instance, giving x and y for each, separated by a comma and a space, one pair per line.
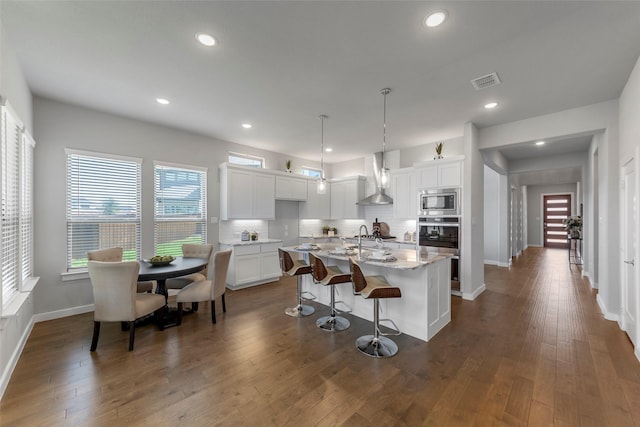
180, 266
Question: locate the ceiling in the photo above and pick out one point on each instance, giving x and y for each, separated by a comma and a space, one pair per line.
278, 65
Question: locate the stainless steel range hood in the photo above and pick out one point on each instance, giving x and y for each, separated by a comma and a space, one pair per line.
379, 197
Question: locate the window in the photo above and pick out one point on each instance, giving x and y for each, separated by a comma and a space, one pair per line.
103, 205
180, 206
315, 173
17, 212
246, 160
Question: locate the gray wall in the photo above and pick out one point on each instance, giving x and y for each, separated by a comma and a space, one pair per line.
534, 211
58, 126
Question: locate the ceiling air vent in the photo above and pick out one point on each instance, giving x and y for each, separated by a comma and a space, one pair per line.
486, 81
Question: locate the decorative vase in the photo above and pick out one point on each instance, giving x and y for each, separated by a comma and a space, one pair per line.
438, 157
574, 233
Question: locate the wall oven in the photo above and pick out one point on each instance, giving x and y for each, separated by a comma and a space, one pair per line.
443, 234
439, 202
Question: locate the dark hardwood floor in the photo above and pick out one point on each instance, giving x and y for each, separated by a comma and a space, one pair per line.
533, 349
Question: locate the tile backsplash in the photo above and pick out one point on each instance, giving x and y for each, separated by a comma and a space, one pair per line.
231, 230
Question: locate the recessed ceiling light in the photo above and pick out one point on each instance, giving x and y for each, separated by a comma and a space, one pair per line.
435, 18
328, 149
539, 142
162, 101
206, 39
247, 125
490, 105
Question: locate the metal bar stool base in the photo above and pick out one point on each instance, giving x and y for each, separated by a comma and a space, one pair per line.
376, 347
332, 323
300, 310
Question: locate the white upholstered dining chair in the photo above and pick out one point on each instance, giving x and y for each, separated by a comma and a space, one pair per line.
115, 255
116, 299
192, 251
208, 290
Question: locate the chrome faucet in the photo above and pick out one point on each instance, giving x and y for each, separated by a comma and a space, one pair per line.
366, 231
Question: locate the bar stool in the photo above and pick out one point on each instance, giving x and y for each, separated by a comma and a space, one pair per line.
329, 276
295, 268
375, 287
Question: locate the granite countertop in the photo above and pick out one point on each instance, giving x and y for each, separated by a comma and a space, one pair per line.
405, 258
248, 242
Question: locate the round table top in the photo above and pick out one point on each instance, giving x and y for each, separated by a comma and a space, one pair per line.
181, 266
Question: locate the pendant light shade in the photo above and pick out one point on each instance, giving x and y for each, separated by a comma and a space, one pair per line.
322, 182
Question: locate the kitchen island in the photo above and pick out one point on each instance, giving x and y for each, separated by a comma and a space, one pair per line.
425, 305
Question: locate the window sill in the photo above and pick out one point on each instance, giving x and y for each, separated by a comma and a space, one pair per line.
13, 306
70, 276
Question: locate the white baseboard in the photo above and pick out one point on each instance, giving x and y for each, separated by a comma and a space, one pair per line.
607, 314
636, 351
497, 263
473, 295
58, 314
535, 246
13, 360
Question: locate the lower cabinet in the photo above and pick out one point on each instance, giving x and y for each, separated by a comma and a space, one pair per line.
252, 265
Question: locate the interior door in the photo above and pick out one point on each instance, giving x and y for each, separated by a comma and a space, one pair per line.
556, 208
629, 281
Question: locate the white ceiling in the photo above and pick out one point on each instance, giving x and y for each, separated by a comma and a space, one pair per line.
279, 65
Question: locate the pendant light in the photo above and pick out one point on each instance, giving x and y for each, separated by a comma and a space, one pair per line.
384, 172
322, 182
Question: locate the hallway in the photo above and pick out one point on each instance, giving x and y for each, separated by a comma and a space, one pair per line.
533, 349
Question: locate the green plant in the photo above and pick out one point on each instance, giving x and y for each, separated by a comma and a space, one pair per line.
439, 147
288, 164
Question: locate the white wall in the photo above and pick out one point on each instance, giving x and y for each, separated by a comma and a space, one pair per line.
534, 211
472, 245
491, 216
14, 328
13, 85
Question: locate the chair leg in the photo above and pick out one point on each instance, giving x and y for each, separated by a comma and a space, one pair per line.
179, 320
333, 323
132, 334
194, 306
299, 310
224, 305
376, 345
96, 333
213, 311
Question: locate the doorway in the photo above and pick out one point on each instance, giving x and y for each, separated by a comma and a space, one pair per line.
555, 209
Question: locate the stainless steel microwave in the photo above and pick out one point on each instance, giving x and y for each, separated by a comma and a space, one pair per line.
442, 201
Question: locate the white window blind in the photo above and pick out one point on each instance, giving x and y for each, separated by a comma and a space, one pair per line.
103, 205
26, 207
180, 206
11, 138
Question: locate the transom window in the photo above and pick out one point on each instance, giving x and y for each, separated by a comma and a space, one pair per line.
246, 160
312, 172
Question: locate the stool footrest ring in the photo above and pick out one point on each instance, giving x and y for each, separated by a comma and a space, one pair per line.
310, 298
394, 328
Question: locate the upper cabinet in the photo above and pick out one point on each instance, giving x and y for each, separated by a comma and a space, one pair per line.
345, 193
404, 191
246, 193
291, 188
440, 173
317, 206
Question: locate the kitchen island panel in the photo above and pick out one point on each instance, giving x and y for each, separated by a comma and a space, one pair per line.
425, 305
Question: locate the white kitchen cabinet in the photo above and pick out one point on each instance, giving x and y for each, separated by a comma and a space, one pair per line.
345, 193
404, 191
291, 188
252, 264
439, 174
246, 194
317, 206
